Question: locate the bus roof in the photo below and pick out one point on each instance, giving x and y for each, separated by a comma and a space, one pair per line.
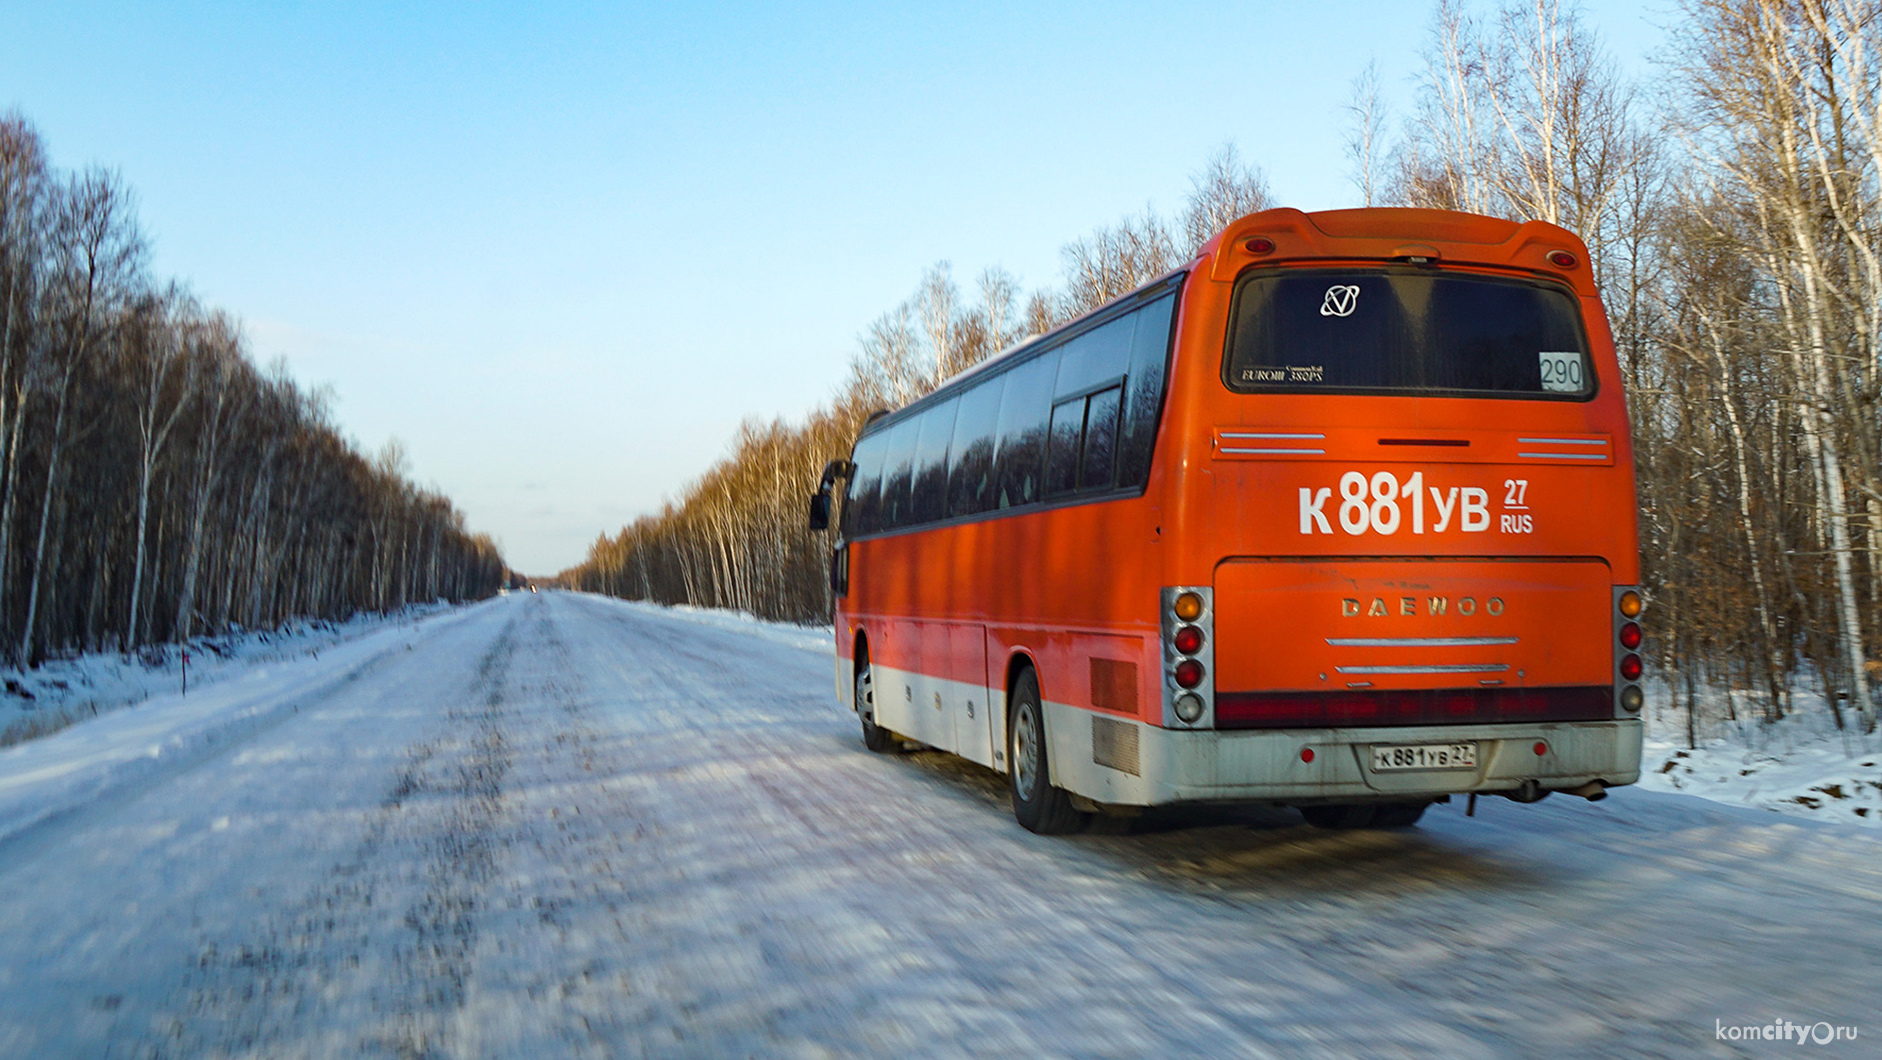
1367, 233
1400, 234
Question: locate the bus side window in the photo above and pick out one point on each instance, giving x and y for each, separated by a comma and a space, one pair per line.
1068, 423
1082, 452
971, 486
865, 487
1096, 357
1097, 461
1025, 409
928, 499
1143, 401
897, 465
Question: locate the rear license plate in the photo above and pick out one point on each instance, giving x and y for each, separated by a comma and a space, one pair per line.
1386, 757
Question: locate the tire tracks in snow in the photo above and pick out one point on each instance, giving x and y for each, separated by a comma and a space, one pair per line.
375, 961
484, 910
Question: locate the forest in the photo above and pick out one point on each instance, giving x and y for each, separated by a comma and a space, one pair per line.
1732, 204
155, 484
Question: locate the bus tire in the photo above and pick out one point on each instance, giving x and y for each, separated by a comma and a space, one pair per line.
1352, 816
875, 737
1037, 805
1398, 814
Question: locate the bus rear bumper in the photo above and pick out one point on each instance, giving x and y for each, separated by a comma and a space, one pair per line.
1173, 766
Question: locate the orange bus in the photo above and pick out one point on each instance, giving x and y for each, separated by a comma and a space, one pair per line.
1339, 515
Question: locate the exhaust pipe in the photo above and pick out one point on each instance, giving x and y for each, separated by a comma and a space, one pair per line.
1528, 791
1593, 791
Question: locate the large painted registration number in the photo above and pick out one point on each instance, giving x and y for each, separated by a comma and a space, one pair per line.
1386, 758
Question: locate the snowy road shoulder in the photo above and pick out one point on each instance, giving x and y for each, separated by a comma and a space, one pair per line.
1794, 768
44, 778
809, 638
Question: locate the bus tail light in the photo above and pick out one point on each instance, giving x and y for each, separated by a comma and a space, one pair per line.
1188, 640
1628, 697
1260, 245
1187, 618
1561, 259
1189, 707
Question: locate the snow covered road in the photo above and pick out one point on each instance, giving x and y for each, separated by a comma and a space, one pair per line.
564, 826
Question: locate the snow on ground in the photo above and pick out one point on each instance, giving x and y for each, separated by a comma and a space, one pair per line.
554, 825
1802, 766
65, 690
252, 682
810, 638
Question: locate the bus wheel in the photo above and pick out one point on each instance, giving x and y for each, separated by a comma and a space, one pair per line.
1338, 816
1038, 805
875, 737
1398, 814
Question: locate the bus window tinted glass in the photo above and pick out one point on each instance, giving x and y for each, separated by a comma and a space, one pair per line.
1068, 420
1098, 356
1150, 354
1406, 330
971, 487
1025, 406
928, 500
1098, 460
897, 462
865, 486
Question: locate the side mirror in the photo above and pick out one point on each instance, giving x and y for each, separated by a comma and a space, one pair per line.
820, 500
834, 470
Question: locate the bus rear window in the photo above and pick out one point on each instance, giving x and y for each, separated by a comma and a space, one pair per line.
1405, 331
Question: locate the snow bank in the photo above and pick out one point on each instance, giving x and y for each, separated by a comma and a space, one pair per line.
64, 691
1795, 770
809, 638
56, 774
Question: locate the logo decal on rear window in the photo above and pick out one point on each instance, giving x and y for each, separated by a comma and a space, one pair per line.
1340, 300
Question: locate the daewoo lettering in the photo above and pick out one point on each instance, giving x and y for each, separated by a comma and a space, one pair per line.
1407, 606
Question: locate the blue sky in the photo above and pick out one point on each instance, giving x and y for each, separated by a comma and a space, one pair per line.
559, 251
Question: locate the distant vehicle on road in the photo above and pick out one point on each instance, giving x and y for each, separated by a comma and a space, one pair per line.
1339, 515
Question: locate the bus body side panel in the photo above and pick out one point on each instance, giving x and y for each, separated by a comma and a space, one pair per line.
1082, 609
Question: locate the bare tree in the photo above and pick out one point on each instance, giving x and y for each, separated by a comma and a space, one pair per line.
166, 373
1524, 116
218, 425
1226, 190
1366, 113
24, 189
1780, 93
96, 251
1116, 259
